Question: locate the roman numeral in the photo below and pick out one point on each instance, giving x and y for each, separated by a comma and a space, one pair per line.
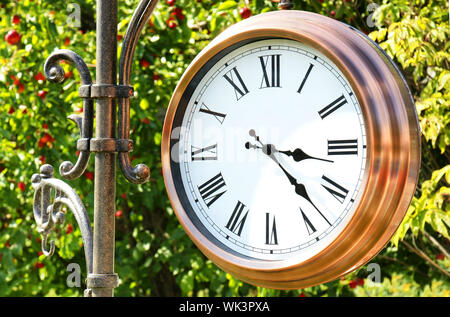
338, 192
210, 150
270, 65
305, 78
210, 190
308, 224
343, 147
237, 219
235, 80
271, 233
219, 116
332, 107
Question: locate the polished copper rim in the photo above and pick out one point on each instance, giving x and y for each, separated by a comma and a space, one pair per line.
393, 149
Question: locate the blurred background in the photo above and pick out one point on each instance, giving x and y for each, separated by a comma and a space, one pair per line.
154, 257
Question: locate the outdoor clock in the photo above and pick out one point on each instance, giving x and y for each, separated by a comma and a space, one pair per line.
291, 149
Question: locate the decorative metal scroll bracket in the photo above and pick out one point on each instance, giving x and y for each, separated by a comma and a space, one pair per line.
89, 91
50, 196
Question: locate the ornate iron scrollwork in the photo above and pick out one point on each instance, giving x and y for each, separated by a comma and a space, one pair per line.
52, 194
141, 173
48, 212
55, 73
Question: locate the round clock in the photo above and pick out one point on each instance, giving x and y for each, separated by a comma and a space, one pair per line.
291, 149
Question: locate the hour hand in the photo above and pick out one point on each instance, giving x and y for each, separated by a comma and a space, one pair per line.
298, 155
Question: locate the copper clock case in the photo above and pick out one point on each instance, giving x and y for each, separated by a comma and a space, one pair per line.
393, 149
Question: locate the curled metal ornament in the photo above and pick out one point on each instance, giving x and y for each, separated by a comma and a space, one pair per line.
48, 212
285, 4
141, 173
55, 73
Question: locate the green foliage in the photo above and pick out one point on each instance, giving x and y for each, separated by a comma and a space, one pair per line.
154, 257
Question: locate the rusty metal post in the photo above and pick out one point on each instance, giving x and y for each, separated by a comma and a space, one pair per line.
48, 212
103, 280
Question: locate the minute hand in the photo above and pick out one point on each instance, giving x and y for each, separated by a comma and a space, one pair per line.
299, 187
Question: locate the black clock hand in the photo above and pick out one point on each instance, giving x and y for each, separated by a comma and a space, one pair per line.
300, 189
269, 150
298, 155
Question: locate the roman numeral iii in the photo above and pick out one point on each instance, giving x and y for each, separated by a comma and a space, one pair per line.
338, 192
270, 65
271, 231
343, 147
235, 80
210, 151
212, 190
333, 106
237, 219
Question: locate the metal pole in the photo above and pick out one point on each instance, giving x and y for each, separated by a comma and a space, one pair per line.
99, 247
105, 168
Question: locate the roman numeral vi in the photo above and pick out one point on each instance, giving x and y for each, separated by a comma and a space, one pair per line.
271, 231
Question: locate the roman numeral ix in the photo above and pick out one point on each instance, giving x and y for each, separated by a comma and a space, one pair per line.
211, 152
211, 190
270, 65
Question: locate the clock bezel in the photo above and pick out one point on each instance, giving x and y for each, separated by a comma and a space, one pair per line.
387, 107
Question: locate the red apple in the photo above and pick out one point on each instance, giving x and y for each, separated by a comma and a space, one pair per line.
145, 63
89, 175
42, 94
39, 265
171, 24
12, 37
245, 12
39, 76
21, 186
15, 19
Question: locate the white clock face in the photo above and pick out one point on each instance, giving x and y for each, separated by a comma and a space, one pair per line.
271, 151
